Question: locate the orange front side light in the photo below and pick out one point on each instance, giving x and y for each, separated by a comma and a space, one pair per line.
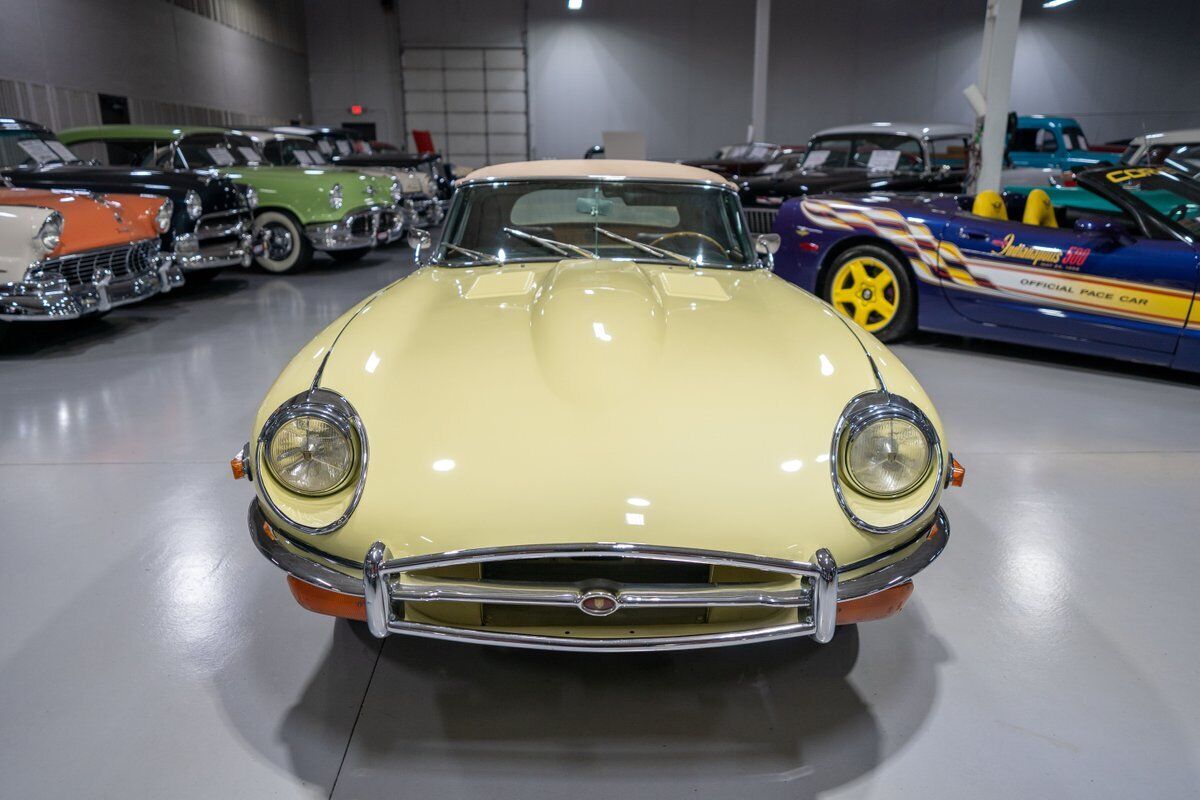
327, 601
874, 606
957, 472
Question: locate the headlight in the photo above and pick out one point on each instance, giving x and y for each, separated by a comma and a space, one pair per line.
397, 191
251, 198
162, 220
335, 196
191, 201
888, 457
312, 455
49, 236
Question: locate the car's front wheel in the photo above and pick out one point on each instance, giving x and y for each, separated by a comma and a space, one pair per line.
285, 247
871, 286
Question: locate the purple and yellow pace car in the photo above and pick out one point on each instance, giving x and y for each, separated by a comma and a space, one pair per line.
1106, 267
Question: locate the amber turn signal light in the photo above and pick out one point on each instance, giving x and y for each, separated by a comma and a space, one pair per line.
957, 472
238, 466
326, 601
874, 606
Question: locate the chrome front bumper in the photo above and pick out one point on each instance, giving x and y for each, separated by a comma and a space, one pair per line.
52, 297
362, 227
815, 595
192, 255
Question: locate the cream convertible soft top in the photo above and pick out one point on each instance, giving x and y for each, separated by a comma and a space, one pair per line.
596, 168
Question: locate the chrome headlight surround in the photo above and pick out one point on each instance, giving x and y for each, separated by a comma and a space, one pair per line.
330, 407
860, 412
193, 204
49, 236
335, 196
162, 218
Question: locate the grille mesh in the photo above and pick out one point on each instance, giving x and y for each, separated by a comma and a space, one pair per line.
761, 220
81, 269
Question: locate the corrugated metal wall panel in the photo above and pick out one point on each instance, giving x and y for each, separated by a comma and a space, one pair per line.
280, 22
471, 99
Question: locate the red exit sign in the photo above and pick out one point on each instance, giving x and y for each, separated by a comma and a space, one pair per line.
357, 111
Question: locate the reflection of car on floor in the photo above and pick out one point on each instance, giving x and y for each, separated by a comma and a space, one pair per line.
65, 254
717, 458
1106, 267
299, 209
1058, 142
211, 227
872, 156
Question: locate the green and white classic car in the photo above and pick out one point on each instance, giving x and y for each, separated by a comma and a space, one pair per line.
300, 209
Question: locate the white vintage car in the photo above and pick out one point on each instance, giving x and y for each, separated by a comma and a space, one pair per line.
595, 420
64, 254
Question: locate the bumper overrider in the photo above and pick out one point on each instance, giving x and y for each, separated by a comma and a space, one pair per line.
93, 282
360, 227
810, 597
424, 210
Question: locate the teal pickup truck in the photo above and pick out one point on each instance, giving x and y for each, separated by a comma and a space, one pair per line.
300, 209
1053, 142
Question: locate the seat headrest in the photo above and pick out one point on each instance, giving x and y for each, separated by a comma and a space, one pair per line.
1039, 210
989, 204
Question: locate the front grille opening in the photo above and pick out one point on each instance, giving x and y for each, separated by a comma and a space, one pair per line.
618, 570
495, 615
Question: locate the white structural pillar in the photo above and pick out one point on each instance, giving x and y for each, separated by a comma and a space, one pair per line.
758, 93
995, 83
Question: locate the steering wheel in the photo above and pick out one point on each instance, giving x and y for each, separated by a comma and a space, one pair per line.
694, 234
1177, 213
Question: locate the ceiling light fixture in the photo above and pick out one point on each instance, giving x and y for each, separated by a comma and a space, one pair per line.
574, 5
1050, 3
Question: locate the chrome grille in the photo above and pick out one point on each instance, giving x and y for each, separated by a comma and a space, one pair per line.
80, 269
761, 220
222, 225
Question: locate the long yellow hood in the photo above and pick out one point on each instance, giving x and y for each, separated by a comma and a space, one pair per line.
588, 400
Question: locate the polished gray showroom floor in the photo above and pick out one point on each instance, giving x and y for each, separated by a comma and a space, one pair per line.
147, 650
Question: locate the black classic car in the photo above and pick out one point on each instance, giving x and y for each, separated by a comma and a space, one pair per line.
736, 161
350, 148
211, 226
875, 156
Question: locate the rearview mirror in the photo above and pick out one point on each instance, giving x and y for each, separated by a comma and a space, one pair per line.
767, 245
418, 239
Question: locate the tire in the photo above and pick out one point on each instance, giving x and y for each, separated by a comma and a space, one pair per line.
872, 287
346, 256
287, 249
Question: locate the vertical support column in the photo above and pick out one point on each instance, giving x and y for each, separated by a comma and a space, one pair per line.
995, 82
758, 93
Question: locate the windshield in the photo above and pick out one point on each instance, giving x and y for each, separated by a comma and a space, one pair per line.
1164, 191
32, 149
211, 150
874, 152
643, 220
293, 152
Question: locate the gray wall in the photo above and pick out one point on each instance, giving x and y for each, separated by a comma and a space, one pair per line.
164, 58
680, 69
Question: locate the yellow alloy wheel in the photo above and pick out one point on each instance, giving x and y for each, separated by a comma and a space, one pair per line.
865, 289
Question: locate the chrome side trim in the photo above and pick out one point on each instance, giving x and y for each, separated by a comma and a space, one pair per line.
335, 408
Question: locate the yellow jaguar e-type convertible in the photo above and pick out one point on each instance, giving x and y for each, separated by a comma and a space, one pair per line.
593, 419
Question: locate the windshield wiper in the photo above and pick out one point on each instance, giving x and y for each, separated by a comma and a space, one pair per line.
475, 254
646, 248
554, 246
